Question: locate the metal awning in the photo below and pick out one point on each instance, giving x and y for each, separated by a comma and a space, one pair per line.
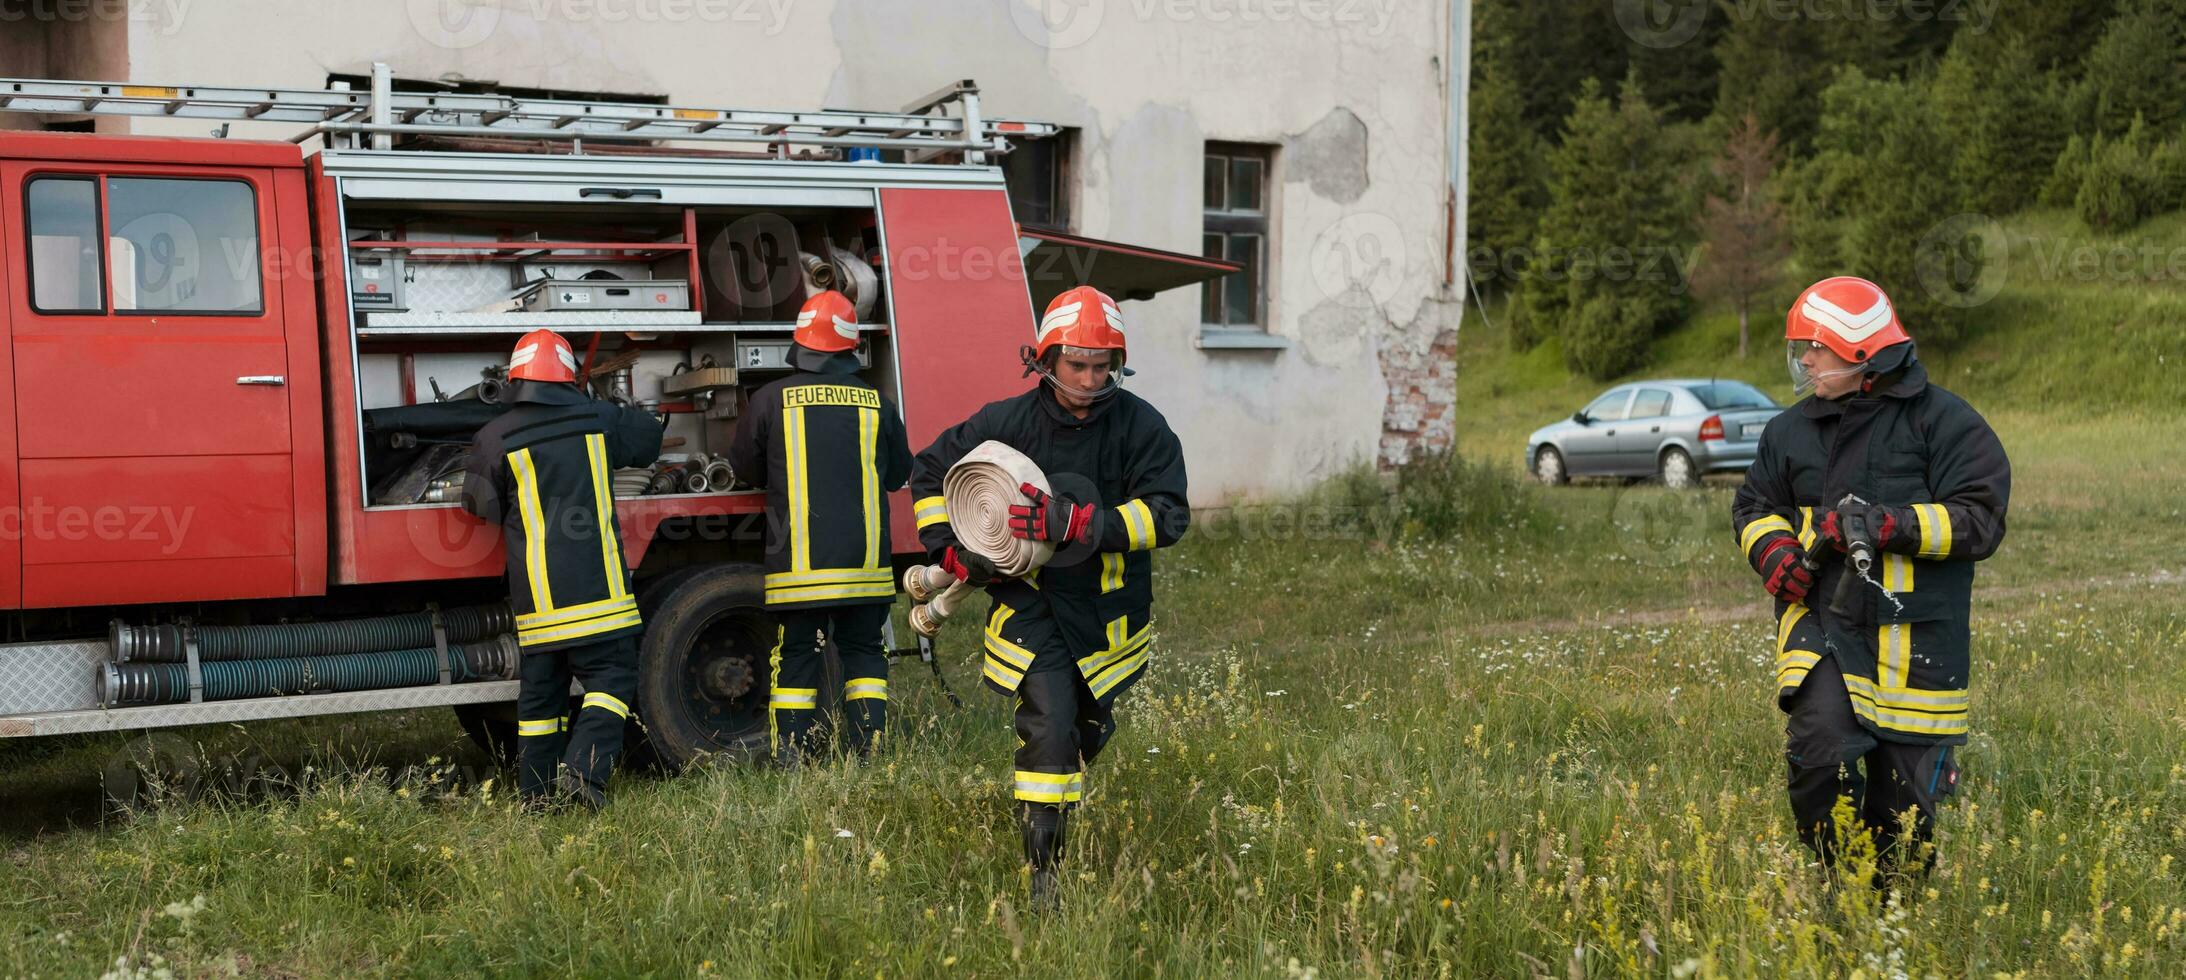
1056, 261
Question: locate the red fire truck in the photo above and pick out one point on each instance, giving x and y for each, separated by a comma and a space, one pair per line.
237, 378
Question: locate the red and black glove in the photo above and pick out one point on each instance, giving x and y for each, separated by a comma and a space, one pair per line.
1884, 524
1052, 519
1783, 569
968, 566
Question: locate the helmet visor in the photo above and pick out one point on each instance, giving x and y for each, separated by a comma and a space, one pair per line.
1803, 381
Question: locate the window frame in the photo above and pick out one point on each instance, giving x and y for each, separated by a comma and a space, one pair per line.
1231, 223
30, 253
102, 200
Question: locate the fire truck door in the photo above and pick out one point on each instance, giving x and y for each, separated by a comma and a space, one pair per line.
152, 407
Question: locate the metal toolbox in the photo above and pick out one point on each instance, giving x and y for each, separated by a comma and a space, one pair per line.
549, 295
772, 354
376, 281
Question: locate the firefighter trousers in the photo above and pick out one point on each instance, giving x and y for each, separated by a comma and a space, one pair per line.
588, 746
793, 688
1061, 727
1826, 749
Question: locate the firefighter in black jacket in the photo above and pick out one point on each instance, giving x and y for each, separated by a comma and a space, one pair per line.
828, 449
1872, 667
541, 470
1074, 635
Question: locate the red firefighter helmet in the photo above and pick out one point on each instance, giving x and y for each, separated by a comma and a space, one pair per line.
1083, 318
828, 323
1849, 315
542, 356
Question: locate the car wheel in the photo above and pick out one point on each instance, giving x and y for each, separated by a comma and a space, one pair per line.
1678, 471
1548, 466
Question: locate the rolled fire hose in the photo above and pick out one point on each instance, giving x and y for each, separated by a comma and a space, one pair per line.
979, 490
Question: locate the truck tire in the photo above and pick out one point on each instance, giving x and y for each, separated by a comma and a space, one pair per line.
703, 669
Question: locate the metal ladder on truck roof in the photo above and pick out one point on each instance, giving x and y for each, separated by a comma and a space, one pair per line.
354, 120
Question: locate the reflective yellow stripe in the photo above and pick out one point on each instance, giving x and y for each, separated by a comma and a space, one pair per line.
599, 699
1897, 573
1049, 787
1792, 667
1785, 625
603, 497
539, 726
815, 593
800, 503
1122, 671
1119, 645
1138, 524
868, 443
527, 503
569, 614
1761, 527
860, 688
1953, 723
1911, 699
996, 671
1111, 571
930, 511
1894, 652
1806, 528
1935, 530
830, 576
1007, 652
578, 630
793, 697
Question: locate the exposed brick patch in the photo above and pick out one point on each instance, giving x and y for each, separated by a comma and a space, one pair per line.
1419, 365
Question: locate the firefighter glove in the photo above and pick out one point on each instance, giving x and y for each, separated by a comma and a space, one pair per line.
1051, 519
968, 566
1783, 569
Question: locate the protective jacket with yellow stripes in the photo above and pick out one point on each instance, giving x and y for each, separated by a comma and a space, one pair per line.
1097, 596
1907, 444
542, 471
828, 448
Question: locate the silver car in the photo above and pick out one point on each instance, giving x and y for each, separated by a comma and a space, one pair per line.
1676, 429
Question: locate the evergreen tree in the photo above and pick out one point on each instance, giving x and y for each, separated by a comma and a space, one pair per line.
1770, 69
1606, 277
1504, 157
1878, 196
2133, 71
2003, 117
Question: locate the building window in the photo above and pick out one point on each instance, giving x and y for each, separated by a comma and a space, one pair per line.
1037, 172
1236, 229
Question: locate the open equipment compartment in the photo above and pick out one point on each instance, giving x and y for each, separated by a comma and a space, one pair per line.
683, 311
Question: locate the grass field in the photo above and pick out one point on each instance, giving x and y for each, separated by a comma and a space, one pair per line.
1498, 731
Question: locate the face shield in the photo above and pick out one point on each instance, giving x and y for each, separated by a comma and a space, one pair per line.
1803, 381
1045, 368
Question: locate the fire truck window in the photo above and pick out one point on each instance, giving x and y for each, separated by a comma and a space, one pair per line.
183, 246
64, 245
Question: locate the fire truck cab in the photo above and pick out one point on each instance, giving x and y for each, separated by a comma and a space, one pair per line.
238, 379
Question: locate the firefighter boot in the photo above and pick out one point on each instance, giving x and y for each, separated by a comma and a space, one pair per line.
1043, 828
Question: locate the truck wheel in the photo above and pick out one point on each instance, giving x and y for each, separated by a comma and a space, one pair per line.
703, 669
492, 727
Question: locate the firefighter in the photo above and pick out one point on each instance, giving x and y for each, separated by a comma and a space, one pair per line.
828, 448
541, 470
1070, 638
1872, 671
